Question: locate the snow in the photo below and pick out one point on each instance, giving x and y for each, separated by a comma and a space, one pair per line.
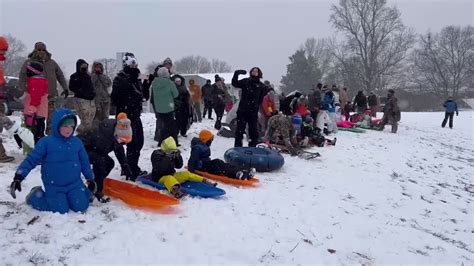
374, 198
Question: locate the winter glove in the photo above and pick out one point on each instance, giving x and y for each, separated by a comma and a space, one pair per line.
15, 185
240, 72
127, 171
91, 185
65, 93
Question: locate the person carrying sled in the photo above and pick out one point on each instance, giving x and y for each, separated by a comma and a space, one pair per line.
253, 91
101, 139
450, 107
200, 159
280, 130
165, 161
62, 158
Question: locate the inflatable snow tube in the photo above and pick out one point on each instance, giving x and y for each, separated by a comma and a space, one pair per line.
264, 160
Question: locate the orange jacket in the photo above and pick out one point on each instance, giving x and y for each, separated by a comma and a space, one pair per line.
195, 91
268, 105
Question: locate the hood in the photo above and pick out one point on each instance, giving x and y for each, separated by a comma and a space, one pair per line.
195, 141
58, 116
168, 145
79, 63
183, 80
97, 64
33, 55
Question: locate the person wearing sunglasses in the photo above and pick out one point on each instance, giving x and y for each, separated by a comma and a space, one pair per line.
53, 74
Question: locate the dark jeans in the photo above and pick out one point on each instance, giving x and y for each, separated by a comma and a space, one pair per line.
182, 120
168, 127
207, 108
135, 146
244, 118
219, 167
446, 116
101, 166
219, 109
39, 128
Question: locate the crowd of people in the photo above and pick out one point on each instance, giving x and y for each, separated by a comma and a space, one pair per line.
295, 120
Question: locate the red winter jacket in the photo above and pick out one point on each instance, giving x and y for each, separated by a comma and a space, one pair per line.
268, 105
302, 110
36, 100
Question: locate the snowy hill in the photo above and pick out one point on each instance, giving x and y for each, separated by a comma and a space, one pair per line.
375, 198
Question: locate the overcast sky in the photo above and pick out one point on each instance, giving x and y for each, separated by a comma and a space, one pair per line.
243, 33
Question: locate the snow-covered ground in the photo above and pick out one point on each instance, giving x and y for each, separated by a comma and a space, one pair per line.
375, 198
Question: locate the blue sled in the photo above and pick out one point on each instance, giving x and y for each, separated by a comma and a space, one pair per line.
195, 189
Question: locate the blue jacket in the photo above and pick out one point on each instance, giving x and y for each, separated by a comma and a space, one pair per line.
200, 153
450, 106
328, 102
62, 159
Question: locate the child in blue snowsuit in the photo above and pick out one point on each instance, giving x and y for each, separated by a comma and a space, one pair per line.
62, 158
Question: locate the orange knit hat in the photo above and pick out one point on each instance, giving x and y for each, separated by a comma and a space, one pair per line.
205, 135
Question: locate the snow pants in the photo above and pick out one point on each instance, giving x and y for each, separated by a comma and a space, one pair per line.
135, 146
447, 116
178, 178
244, 118
219, 167
74, 197
101, 166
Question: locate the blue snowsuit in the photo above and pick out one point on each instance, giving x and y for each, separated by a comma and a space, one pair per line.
62, 160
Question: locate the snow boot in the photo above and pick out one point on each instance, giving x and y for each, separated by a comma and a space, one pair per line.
176, 192
36, 192
240, 175
208, 182
101, 197
4, 158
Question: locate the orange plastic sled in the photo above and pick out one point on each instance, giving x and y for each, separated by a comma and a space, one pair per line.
136, 196
232, 181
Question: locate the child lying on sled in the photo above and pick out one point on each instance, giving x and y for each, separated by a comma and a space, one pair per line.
164, 162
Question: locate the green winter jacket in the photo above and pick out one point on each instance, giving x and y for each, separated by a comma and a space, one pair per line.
164, 92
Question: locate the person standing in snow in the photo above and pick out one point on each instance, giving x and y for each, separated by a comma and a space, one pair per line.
450, 107
345, 104
314, 100
62, 158
391, 112
373, 102
196, 96
200, 159
252, 93
207, 98
182, 106
329, 107
360, 102
84, 93
52, 72
127, 96
4, 158
101, 83
267, 109
107, 136
218, 100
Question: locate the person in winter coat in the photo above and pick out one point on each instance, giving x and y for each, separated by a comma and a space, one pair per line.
165, 161
182, 106
345, 103
104, 137
84, 93
127, 96
280, 130
196, 96
200, 159
164, 93
253, 91
450, 107
328, 106
218, 100
102, 84
267, 110
52, 72
314, 100
314, 134
335, 91
207, 98
391, 113
4, 158
360, 102
373, 102
35, 103
62, 158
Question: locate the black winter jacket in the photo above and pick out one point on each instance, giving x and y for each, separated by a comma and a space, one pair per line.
218, 96
81, 83
165, 163
207, 92
100, 138
127, 95
253, 91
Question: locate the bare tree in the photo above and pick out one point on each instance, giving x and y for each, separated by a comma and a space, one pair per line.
218, 66
193, 64
322, 51
377, 41
444, 62
16, 56
111, 66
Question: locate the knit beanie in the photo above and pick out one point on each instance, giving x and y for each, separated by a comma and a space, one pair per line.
217, 78
123, 129
129, 59
68, 122
205, 135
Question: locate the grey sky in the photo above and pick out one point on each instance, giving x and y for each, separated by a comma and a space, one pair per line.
243, 33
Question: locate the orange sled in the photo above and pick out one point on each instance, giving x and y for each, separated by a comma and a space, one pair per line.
232, 181
136, 196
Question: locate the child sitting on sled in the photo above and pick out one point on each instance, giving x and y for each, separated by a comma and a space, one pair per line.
313, 135
200, 159
164, 162
63, 158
